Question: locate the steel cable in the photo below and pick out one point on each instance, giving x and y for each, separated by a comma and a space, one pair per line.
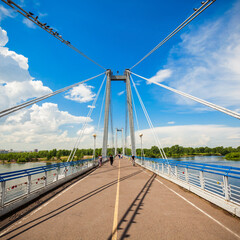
181, 26
73, 151
35, 20
196, 99
31, 102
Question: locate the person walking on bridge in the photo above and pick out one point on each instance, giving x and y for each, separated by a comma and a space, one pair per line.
111, 159
133, 160
100, 160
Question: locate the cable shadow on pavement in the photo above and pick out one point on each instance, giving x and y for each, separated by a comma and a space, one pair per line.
67, 206
134, 207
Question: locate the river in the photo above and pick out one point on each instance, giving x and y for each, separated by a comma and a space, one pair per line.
10, 167
218, 160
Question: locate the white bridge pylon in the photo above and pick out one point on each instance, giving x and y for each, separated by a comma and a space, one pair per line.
123, 145
126, 79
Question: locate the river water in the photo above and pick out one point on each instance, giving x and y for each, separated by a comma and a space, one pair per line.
10, 167
218, 160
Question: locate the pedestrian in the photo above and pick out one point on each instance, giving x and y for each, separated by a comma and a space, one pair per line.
111, 159
133, 160
100, 160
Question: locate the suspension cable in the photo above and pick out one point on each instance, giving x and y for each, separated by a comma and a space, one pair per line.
149, 121
73, 151
44, 26
196, 99
31, 102
134, 107
135, 112
197, 11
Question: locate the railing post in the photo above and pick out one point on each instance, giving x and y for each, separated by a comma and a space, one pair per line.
162, 168
176, 172
226, 187
158, 167
168, 170
186, 175
45, 180
3, 186
202, 180
58, 171
65, 172
29, 184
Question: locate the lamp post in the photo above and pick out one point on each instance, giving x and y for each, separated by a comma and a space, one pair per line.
140, 135
94, 146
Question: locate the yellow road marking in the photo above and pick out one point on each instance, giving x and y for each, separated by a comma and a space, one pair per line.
115, 219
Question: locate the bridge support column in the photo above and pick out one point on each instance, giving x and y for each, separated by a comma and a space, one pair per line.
106, 115
116, 145
130, 112
123, 147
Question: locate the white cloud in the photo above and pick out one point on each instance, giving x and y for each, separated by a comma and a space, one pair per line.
161, 75
3, 37
88, 130
193, 136
42, 127
121, 93
16, 92
4, 12
38, 125
42, 15
16, 83
90, 106
172, 122
206, 62
138, 82
29, 23
82, 93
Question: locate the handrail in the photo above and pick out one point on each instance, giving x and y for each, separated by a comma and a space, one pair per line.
229, 171
36, 170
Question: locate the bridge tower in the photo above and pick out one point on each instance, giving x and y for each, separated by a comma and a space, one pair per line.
126, 79
116, 140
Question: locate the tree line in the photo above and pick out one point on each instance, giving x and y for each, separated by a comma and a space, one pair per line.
153, 152
179, 151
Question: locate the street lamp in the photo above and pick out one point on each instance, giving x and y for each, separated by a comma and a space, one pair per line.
94, 145
140, 135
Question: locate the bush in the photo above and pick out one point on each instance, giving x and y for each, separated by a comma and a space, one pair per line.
233, 156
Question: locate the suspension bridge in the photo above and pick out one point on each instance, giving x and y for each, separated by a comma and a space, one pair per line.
155, 199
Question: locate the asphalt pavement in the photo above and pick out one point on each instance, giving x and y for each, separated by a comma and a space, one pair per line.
125, 202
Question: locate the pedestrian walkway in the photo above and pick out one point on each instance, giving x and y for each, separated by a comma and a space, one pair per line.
120, 202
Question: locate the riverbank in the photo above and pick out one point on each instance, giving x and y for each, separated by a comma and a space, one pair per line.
42, 160
235, 156
230, 156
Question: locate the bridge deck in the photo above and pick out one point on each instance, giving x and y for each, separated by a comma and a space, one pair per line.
147, 207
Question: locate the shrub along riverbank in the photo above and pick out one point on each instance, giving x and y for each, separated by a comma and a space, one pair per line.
233, 156
230, 153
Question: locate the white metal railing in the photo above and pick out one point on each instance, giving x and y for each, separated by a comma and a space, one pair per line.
21, 184
208, 178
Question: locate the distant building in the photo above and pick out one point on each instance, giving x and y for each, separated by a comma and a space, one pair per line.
35, 150
3, 151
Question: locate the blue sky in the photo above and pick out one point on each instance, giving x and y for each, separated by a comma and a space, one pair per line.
203, 60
